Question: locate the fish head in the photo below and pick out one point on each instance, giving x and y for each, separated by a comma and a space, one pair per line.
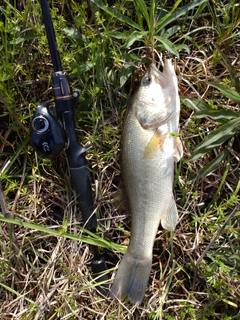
157, 97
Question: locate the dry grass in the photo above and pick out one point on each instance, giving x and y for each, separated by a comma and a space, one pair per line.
195, 273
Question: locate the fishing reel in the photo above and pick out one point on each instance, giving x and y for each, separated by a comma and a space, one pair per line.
47, 134
51, 122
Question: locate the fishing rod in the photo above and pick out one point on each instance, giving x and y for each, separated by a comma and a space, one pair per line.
53, 129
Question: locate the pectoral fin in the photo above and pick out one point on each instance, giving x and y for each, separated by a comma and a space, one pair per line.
178, 149
154, 144
170, 217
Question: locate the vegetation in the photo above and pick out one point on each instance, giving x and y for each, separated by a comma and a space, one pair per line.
45, 253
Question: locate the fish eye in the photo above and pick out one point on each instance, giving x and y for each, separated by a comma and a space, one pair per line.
146, 81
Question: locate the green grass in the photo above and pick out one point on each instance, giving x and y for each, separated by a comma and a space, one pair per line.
45, 269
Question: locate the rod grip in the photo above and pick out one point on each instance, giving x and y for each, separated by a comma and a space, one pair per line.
81, 180
99, 266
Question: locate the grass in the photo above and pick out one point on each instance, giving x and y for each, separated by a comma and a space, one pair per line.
45, 258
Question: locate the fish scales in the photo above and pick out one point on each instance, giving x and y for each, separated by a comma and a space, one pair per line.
148, 152
147, 187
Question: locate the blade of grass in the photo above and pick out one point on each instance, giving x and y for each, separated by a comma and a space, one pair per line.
216, 138
186, 35
142, 11
233, 74
224, 177
234, 212
212, 165
152, 13
15, 156
228, 92
18, 294
174, 15
161, 23
218, 115
92, 239
159, 312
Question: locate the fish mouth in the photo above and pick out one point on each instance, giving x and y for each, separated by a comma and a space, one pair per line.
153, 69
154, 72
163, 77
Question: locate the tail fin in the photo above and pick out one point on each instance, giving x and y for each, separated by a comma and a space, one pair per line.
132, 278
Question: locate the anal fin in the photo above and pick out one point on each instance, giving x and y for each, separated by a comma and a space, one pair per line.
178, 149
170, 217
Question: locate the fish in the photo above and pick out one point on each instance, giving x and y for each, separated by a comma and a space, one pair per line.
150, 145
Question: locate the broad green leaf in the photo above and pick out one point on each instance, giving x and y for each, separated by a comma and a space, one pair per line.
182, 47
218, 115
73, 34
168, 45
116, 14
194, 104
228, 92
171, 31
216, 138
135, 36
83, 68
21, 39
131, 58
125, 74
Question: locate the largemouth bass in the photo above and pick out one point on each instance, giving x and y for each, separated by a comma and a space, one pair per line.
150, 146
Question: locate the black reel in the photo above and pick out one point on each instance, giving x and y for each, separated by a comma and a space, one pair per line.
47, 135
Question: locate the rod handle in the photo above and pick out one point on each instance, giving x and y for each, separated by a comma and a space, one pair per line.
81, 180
